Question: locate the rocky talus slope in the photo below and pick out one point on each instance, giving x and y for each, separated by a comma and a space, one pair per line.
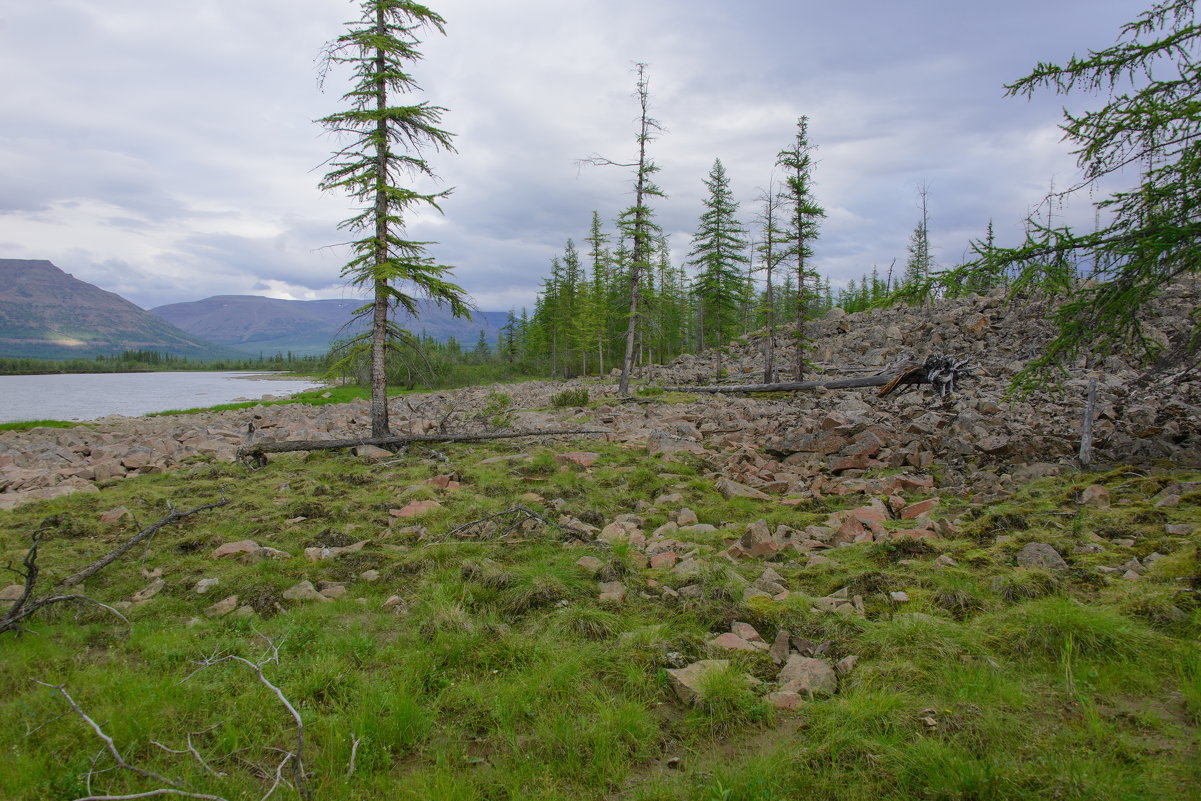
982, 440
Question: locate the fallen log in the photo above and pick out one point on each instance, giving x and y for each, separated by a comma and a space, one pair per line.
941, 372
257, 453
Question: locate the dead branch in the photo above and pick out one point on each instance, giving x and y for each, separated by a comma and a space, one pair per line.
27, 604
24, 607
151, 793
108, 741
104, 561
1086, 435
519, 512
256, 453
294, 758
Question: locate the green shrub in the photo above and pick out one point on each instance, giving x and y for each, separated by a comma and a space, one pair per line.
570, 397
649, 392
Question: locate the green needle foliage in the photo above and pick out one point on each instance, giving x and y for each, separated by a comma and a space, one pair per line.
1150, 233
804, 219
385, 147
718, 248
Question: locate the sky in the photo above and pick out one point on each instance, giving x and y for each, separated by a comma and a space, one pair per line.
167, 151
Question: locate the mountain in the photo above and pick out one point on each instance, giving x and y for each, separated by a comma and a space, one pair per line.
270, 325
47, 314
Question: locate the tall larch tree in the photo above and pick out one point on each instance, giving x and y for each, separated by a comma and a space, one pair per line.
385, 146
637, 223
719, 254
804, 216
1147, 133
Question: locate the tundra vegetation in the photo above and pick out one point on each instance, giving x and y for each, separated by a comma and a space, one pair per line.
581, 619
448, 658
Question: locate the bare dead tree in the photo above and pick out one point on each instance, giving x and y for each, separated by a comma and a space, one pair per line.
256, 454
29, 603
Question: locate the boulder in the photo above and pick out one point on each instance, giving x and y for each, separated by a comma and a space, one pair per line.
687, 681
1040, 554
806, 675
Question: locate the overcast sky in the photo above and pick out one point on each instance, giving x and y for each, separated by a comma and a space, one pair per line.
166, 150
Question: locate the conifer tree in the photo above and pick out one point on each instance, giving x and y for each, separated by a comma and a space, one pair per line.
803, 220
1149, 125
920, 264
718, 249
637, 222
385, 146
773, 247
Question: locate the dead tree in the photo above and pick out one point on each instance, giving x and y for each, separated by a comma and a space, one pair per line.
256, 454
941, 372
28, 603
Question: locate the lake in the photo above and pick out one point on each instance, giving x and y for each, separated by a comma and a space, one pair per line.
86, 396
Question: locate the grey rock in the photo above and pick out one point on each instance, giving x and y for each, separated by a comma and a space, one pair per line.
1040, 554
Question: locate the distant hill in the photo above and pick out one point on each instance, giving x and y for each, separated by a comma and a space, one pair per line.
304, 327
47, 314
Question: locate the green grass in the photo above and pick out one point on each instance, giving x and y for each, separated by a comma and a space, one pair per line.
502, 676
25, 425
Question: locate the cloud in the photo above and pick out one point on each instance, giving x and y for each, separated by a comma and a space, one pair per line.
168, 152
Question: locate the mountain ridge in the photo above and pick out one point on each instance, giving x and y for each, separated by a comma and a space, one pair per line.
47, 313
255, 324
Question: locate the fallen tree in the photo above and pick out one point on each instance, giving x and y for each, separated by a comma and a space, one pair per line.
941, 372
256, 454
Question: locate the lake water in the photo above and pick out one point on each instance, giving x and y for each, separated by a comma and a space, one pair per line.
86, 396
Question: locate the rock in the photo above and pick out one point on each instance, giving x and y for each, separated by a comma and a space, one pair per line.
664, 560
746, 631
332, 589
590, 563
372, 452
1095, 496
148, 592
686, 569
304, 591
785, 700
415, 509
1040, 554
806, 675
222, 607
1179, 529
945, 560
899, 596
758, 542
732, 489
612, 592
234, 548
12, 592
920, 508
686, 517
845, 665
114, 515
661, 443
321, 554
370, 576
732, 642
817, 560
779, 647
687, 681
583, 459
205, 584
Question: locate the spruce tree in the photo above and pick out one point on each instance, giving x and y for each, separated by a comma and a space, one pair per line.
804, 217
385, 146
718, 249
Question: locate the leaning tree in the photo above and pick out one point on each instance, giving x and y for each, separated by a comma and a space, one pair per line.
384, 147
